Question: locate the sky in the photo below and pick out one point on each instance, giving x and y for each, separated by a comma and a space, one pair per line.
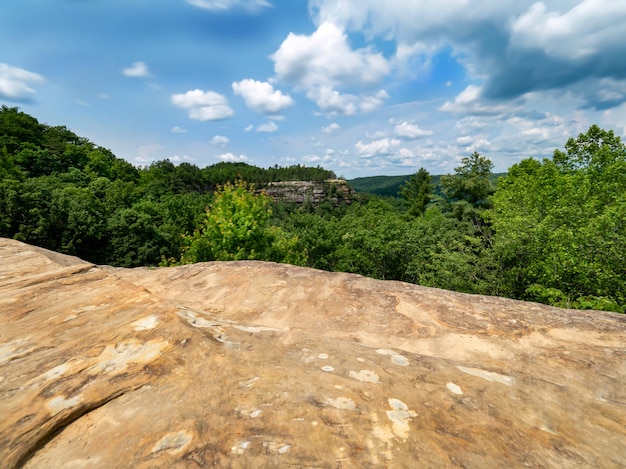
360, 87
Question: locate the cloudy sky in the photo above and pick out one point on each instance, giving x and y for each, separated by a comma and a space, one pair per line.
362, 87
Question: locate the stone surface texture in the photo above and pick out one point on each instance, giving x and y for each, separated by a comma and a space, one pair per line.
252, 364
336, 191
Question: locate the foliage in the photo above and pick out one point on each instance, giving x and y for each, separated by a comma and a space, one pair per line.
561, 225
471, 182
236, 227
417, 192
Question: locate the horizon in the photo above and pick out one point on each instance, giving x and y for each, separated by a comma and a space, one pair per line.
361, 88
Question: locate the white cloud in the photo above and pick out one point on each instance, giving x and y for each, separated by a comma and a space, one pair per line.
309, 159
261, 96
220, 140
204, 105
584, 30
510, 48
471, 101
178, 130
223, 5
323, 62
15, 82
384, 146
232, 158
267, 127
335, 103
325, 58
411, 131
137, 70
180, 159
249, 128
329, 129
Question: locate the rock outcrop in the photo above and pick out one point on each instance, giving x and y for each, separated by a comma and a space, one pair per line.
252, 364
336, 191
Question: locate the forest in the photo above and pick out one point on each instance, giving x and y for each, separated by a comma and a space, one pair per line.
551, 231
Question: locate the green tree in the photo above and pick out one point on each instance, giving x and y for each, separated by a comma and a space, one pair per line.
136, 237
467, 191
561, 225
373, 241
448, 253
236, 227
417, 192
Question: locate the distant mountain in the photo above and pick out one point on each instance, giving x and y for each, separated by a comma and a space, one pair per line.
384, 185
390, 185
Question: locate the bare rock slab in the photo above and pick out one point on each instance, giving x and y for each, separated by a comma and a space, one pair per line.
252, 364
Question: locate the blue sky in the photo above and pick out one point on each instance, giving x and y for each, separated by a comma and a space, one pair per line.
362, 87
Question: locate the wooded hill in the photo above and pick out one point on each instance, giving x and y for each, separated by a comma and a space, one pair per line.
389, 186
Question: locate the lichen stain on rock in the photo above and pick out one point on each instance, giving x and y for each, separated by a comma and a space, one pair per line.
342, 403
145, 324
60, 403
396, 358
173, 443
366, 376
115, 359
488, 375
400, 416
454, 388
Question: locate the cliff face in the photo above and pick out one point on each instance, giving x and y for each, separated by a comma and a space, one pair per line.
336, 191
251, 364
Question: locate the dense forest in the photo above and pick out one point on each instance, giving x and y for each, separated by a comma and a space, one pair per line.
552, 231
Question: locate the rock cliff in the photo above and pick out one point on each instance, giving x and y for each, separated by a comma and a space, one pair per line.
252, 364
335, 191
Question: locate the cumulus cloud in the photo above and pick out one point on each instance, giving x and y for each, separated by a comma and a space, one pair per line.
137, 70
232, 158
310, 159
178, 130
180, 159
411, 131
324, 62
511, 48
472, 101
15, 83
382, 147
224, 5
261, 96
267, 127
204, 105
325, 58
329, 129
220, 140
335, 103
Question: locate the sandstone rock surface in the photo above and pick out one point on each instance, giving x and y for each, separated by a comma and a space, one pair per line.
253, 364
336, 191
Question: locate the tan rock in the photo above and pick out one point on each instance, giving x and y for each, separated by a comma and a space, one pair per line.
251, 364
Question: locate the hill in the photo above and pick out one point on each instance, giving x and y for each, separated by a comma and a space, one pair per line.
389, 186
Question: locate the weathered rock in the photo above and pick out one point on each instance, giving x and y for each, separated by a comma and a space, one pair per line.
301, 192
253, 364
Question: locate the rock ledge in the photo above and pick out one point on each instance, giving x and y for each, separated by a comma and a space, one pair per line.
252, 364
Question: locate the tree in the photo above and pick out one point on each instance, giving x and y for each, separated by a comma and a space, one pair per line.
374, 241
236, 227
561, 225
469, 189
417, 192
